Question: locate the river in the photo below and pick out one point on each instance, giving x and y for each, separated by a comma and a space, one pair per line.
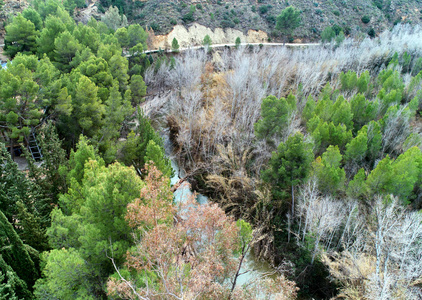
254, 266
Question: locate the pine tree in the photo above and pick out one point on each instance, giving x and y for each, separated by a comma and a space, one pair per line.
133, 151
175, 45
156, 154
237, 42
288, 21
6, 288
88, 110
289, 166
20, 37
275, 113
207, 41
138, 88
15, 254
328, 172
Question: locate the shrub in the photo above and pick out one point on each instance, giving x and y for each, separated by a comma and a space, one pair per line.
378, 3
347, 30
336, 29
207, 40
253, 8
173, 22
271, 19
371, 32
366, 19
155, 26
227, 24
263, 9
328, 34
336, 12
199, 6
237, 42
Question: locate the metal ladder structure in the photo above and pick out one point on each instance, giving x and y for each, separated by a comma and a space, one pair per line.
33, 147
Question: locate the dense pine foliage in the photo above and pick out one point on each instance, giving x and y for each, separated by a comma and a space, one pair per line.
311, 157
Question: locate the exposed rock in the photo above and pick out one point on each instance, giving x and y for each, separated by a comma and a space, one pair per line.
194, 36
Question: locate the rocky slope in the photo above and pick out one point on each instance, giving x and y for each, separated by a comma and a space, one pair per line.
243, 15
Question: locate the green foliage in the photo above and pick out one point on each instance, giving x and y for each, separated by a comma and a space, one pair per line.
350, 81
380, 180
14, 254
207, 41
77, 160
363, 110
137, 35
356, 149
189, 18
328, 172
365, 19
328, 34
64, 268
340, 38
325, 134
275, 113
155, 153
117, 109
66, 47
138, 88
20, 37
7, 287
133, 151
87, 108
175, 45
245, 232
237, 42
309, 109
122, 36
45, 42
93, 224
14, 188
398, 177
289, 165
32, 15
357, 187
288, 20
374, 141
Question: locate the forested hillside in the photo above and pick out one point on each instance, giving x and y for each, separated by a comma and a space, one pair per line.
310, 158
356, 17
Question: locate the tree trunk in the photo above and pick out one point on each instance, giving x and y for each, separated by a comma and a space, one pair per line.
244, 252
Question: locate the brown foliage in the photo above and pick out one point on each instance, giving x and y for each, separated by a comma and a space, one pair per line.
185, 251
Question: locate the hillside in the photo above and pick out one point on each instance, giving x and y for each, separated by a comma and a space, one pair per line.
163, 15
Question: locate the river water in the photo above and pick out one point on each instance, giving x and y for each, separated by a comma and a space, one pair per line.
254, 266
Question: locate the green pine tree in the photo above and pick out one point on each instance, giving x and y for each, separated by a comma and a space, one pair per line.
20, 37
289, 166
156, 154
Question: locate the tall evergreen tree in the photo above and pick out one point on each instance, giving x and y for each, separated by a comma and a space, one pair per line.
289, 166
15, 254
20, 37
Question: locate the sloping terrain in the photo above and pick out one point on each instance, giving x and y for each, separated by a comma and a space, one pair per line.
163, 15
